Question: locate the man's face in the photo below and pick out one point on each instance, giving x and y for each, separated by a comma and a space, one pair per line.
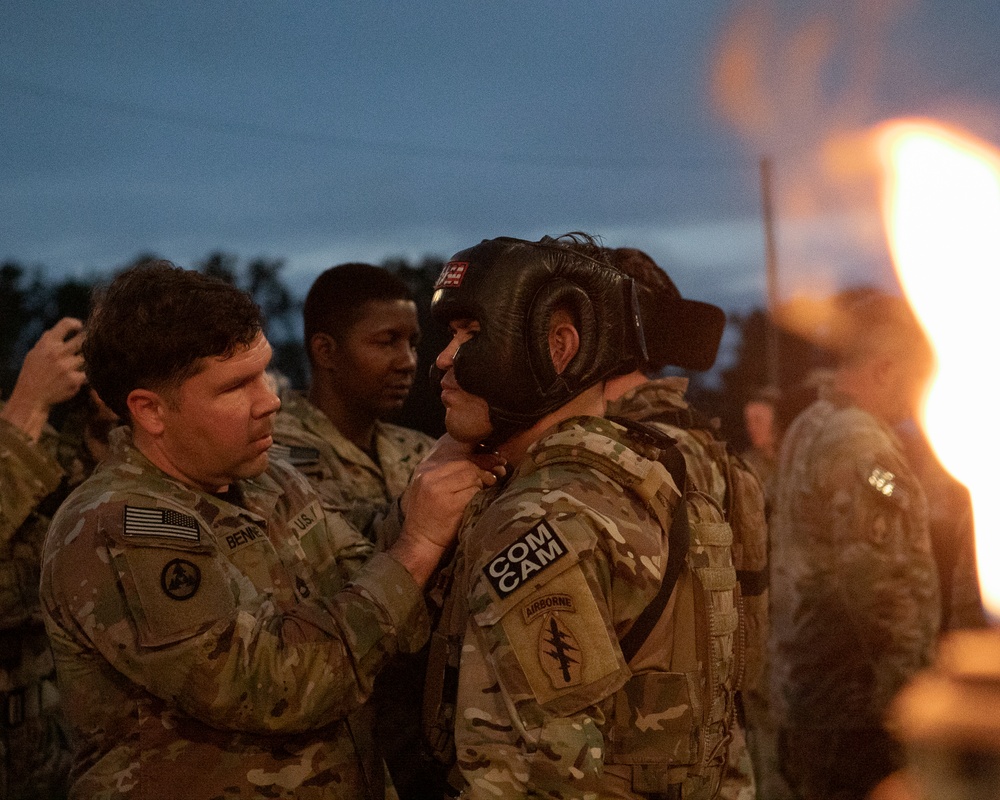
376, 360
466, 416
217, 425
759, 419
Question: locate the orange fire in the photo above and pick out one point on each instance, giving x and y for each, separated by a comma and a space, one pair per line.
941, 203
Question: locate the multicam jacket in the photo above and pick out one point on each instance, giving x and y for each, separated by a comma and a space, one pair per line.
854, 589
552, 569
34, 478
215, 646
661, 403
338, 469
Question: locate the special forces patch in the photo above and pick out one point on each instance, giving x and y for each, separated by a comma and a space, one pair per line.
180, 579
559, 651
525, 559
560, 638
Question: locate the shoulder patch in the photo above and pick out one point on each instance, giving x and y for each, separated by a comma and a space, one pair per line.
180, 579
161, 522
527, 557
561, 640
296, 455
559, 653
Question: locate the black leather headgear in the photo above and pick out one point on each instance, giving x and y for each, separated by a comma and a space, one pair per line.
511, 287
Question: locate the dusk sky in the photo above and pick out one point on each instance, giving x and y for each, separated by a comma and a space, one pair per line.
327, 132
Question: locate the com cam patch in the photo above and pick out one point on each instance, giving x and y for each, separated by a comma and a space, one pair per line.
525, 559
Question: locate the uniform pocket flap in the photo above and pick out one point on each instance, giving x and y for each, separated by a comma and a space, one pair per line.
172, 594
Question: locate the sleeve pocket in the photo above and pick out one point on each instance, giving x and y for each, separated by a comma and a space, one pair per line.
172, 594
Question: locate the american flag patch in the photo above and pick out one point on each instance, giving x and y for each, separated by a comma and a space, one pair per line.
294, 454
163, 522
452, 274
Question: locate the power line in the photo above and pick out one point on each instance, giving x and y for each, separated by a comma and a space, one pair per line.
242, 128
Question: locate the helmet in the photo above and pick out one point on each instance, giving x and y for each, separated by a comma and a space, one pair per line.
511, 287
678, 332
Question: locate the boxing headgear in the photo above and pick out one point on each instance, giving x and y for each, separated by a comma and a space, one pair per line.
511, 287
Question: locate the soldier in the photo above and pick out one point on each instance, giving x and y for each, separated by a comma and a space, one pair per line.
558, 664
361, 334
34, 746
216, 629
854, 603
760, 421
686, 333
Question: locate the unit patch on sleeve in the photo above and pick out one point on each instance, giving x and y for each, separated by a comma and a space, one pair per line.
561, 641
180, 579
559, 653
525, 559
161, 522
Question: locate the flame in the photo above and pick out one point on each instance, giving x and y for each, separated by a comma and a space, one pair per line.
941, 204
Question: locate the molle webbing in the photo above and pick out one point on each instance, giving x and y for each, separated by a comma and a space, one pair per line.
749, 553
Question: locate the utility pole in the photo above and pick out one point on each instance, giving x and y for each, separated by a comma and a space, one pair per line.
771, 255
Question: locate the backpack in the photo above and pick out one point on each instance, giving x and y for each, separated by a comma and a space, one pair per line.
672, 723
744, 510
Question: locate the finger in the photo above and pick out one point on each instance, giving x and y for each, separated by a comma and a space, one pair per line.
74, 344
66, 327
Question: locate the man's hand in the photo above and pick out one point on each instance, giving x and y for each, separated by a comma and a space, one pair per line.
433, 504
52, 373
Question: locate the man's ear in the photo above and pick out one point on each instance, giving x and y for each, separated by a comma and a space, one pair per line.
322, 349
564, 340
146, 409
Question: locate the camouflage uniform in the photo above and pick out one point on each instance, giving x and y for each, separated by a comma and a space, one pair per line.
855, 603
551, 570
339, 469
364, 489
34, 747
214, 646
658, 402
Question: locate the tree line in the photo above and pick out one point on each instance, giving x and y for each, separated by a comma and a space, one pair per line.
31, 301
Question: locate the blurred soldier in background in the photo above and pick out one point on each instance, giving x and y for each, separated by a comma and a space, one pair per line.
760, 420
37, 470
361, 334
855, 603
216, 629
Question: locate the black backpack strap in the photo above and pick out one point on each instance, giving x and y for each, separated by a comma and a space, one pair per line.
679, 535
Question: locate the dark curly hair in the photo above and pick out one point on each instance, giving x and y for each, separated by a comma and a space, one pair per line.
154, 323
